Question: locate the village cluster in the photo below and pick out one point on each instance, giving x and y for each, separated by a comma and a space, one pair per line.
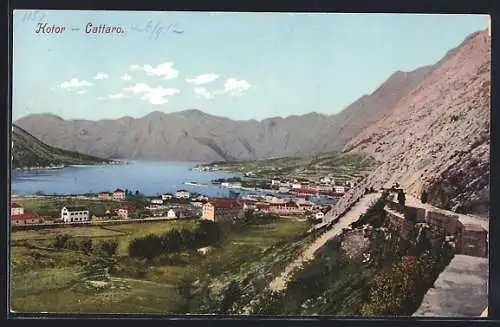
168, 206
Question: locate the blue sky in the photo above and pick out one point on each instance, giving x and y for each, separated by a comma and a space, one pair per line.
237, 65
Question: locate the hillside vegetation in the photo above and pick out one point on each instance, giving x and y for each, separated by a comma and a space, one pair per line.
337, 165
28, 151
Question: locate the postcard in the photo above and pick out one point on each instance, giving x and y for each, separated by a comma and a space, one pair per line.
238, 163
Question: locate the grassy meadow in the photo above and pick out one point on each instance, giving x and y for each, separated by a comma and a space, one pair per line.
49, 280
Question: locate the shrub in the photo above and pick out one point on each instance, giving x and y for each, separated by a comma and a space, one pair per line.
109, 247
401, 197
423, 197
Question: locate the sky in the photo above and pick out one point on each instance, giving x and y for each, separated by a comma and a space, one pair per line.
236, 65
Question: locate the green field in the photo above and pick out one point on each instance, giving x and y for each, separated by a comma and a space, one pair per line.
51, 206
48, 280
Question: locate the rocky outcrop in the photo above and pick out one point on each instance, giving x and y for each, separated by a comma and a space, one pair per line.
437, 138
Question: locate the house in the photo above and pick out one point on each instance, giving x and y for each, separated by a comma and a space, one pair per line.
125, 211
249, 205
325, 180
166, 196
105, 196
157, 201
182, 194
319, 215
16, 209
202, 198
74, 214
25, 218
223, 210
284, 208
119, 194
197, 204
339, 189
171, 214
296, 185
262, 207
275, 182
225, 184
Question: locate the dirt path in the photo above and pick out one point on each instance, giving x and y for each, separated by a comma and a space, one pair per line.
351, 216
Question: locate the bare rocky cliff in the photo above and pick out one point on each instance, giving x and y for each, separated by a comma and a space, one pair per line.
437, 137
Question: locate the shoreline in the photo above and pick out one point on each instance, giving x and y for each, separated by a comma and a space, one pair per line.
113, 163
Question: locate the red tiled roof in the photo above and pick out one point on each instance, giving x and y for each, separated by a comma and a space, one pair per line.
15, 205
23, 216
77, 208
128, 207
286, 205
226, 204
262, 206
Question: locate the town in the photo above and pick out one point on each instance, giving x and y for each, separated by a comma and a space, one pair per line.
285, 198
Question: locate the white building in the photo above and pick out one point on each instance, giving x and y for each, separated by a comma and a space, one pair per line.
16, 209
276, 182
74, 214
171, 214
339, 189
197, 204
296, 185
325, 180
157, 201
182, 194
166, 196
225, 184
319, 215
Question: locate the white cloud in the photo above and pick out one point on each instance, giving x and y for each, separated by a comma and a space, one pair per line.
81, 92
113, 96
74, 83
153, 95
157, 95
137, 88
101, 76
204, 92
203, 79
126, 77
236, 87
165, 70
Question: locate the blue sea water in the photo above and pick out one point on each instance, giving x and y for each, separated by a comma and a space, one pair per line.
148, 177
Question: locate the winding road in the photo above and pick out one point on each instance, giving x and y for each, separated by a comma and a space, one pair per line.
280, 282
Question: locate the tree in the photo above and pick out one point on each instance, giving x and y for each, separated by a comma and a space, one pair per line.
171, 242
109, 247
401, 197
137, 193
423, 197
86, 245
188, 239
62, 241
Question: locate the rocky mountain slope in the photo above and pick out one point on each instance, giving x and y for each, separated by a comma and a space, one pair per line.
30, 152
437, 137
194, 135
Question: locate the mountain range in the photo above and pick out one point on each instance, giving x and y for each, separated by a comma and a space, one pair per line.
192, 135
